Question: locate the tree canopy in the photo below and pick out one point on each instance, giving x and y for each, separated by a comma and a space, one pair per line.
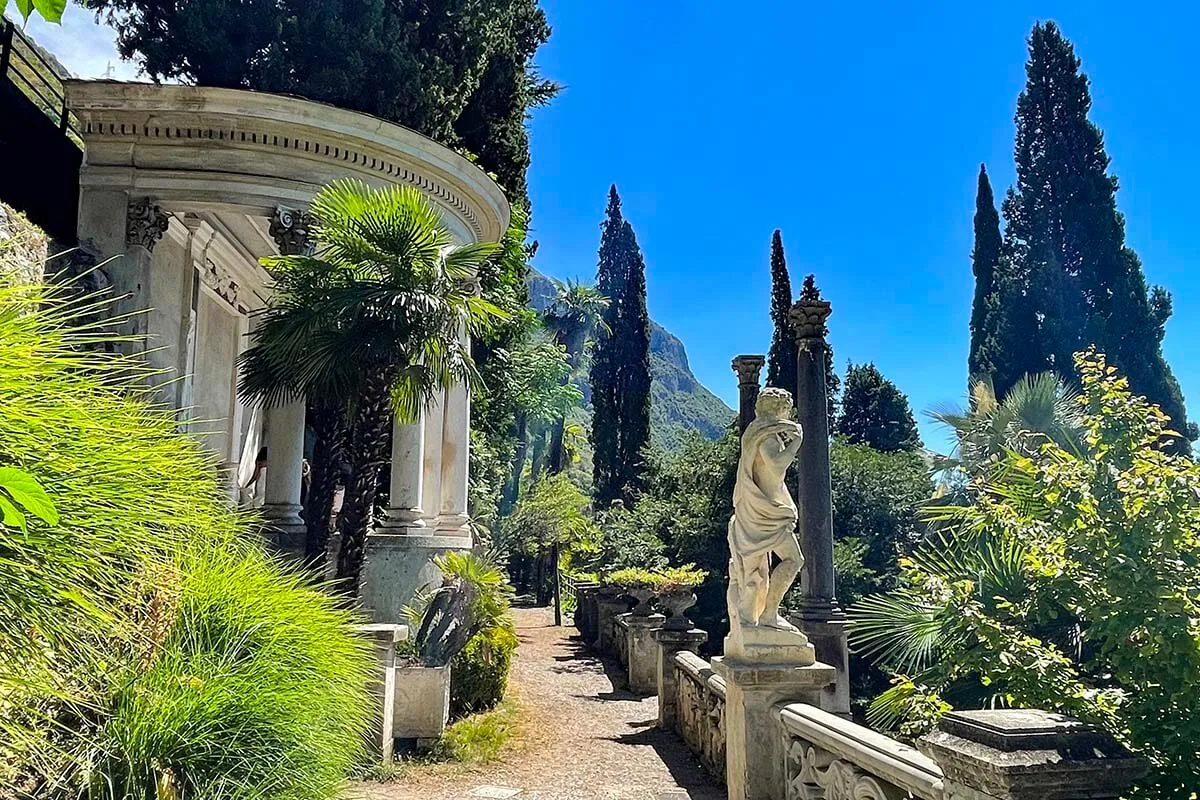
875, 412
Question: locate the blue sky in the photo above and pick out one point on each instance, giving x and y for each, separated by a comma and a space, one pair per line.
857, 132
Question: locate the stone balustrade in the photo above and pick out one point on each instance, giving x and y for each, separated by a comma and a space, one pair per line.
700, 710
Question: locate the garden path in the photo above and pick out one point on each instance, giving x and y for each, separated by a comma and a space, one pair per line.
580, 738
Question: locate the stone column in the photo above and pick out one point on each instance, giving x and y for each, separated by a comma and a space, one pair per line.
431, 459
382, 686
1020, 754
456, 448
642, 653
747, 369
671, 642
818, 616
285, 454
612, 602
404, 511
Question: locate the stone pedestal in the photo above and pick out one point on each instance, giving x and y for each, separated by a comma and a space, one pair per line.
383, 640
671, 642
826, 627
753, 747
642, 652
611, 602
585, 608
1017, 754
398, 565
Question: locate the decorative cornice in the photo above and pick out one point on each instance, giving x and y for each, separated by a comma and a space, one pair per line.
145, 224
290, 230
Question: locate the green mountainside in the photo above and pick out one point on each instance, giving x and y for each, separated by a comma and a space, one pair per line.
679, 404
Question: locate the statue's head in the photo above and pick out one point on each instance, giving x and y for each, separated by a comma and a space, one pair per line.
774, 403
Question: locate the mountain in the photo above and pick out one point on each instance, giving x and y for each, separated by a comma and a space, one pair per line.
679, 404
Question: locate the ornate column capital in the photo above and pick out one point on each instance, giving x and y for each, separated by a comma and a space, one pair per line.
290, 230
145, 224
471, 285
748, 368
809, 313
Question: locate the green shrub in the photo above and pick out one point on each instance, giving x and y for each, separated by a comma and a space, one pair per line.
675, 579
145, 638
479, 674
634, 578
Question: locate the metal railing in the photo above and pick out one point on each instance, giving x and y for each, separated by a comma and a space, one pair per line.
24, 66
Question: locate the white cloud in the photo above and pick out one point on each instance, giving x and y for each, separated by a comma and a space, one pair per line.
86, 47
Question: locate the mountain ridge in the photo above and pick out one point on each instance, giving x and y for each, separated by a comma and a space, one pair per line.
679, 403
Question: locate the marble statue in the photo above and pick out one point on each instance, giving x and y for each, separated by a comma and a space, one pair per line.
764, 524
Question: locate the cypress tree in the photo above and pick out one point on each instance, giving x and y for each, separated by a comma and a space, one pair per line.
620, 372
875, 412
985, 260
1066, 279
781, 358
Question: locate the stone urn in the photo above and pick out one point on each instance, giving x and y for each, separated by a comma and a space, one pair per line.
642, 594
676, 602
422, 702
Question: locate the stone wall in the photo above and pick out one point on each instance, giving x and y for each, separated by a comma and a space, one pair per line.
700, 720
22, 248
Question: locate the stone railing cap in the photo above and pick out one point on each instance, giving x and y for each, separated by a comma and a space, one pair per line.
1013, 729
385, 631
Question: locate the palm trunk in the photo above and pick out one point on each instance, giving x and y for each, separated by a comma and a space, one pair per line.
328, 456
514, 487
558, 456
368, 453
538, 461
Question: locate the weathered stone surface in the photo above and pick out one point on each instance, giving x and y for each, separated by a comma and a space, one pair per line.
422, 702
700, 700
398, 566
1014, 754
641, 652
670, 642
383, 640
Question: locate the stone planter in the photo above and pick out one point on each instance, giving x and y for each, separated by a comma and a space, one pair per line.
422, 702
676, 603
643, 595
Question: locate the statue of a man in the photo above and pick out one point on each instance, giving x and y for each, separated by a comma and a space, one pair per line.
764, 519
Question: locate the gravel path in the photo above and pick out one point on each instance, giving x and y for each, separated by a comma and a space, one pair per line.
581, 739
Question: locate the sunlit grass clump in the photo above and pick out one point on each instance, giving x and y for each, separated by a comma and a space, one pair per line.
148, 646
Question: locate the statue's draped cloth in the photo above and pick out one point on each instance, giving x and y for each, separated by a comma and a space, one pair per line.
760, 523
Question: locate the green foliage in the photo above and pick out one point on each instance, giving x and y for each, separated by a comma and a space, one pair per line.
620, 373
678, 578
21, 494
875, 412
1070, 582
480, 738
146, 639
553, 513
1065, 278
258, 691
781, 357
50, 10
479, 674
985, 260
634, 578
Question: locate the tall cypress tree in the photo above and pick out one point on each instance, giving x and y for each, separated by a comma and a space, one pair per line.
1065, 278
875, 412
620, 372
781, 358
985, 259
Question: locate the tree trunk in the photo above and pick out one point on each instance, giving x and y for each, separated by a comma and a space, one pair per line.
537, 461
557, 585
558, 456
368, 452
328, 455
513, 492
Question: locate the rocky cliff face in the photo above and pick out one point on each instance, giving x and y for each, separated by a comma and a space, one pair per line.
679, 404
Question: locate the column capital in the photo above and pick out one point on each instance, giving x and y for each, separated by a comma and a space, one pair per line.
290, 230
145, 223
748, 368
809, 313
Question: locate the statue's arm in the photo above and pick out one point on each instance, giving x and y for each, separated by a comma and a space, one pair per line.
780, 454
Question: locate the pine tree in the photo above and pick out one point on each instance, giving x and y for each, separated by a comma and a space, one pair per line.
985, 260
1065, 278
875, 412
620, 373
781, 358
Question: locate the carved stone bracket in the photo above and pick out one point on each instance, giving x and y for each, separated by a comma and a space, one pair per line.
290, 230
145, 224
814, 774
809, 313
220, 281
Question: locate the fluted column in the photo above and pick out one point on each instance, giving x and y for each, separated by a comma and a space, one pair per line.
285, 457
456, 446
818, 616
404, 503
747, 369
431, 459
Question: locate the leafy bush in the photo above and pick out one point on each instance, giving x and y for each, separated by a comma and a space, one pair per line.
143, 633
1070, 582
479, 674
634, 578
679, 578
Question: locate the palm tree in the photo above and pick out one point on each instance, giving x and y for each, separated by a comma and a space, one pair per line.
370, 323
1037, 409
575, 313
